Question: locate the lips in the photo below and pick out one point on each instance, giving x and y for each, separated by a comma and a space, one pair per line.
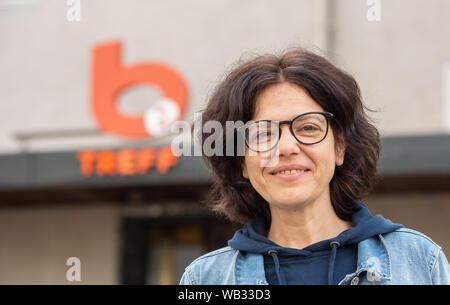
289, 169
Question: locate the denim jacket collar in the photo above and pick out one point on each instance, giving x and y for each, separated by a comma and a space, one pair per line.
373, 258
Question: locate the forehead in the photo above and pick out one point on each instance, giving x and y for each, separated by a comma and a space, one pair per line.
283, 102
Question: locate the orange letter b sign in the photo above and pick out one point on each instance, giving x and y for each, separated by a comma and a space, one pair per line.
110, 78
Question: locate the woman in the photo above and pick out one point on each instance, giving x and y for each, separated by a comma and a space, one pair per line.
310, 157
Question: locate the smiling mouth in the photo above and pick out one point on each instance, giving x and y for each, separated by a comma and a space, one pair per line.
290, 172
291, 175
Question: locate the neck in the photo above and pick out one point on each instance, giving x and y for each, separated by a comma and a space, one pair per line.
305, 224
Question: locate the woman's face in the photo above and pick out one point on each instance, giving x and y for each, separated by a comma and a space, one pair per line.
284, 102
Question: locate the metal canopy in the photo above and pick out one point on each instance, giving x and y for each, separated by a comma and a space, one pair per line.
400, 157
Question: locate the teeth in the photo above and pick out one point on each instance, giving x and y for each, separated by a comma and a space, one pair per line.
289, 172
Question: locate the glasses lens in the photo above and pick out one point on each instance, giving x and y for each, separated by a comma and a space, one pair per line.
310, 128
262, 135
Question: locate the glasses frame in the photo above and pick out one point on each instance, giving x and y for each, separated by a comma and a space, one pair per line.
327, 115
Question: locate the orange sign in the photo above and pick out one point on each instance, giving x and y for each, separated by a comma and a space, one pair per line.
125, 162
110, 78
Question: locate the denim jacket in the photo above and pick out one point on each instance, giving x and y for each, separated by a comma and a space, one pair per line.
401, 257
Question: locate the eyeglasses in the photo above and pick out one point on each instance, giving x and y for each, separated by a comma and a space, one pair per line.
307, 128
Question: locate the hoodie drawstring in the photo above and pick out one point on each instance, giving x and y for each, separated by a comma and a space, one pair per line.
281, 279
334, 245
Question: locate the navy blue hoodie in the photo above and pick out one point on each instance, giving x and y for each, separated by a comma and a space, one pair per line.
325, 262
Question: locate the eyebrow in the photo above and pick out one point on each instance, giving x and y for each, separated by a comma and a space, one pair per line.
290, 119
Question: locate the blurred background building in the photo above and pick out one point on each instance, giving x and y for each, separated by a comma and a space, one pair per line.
72, 186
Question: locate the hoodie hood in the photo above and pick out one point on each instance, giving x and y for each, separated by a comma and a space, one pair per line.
252, 238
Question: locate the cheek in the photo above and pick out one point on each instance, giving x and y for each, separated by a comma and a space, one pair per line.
325, 163
251, 167
256, 175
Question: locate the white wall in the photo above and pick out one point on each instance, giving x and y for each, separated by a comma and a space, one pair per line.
45, 59
399, 62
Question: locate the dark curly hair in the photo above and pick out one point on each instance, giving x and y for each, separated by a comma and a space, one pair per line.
333, 89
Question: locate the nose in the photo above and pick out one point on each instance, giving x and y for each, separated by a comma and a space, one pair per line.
287, 145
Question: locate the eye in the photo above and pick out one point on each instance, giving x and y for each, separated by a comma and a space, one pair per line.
263, 135
308, 128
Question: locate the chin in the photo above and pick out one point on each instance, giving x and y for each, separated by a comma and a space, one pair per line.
291, 201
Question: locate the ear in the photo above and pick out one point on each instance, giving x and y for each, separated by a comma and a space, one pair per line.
340, 151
